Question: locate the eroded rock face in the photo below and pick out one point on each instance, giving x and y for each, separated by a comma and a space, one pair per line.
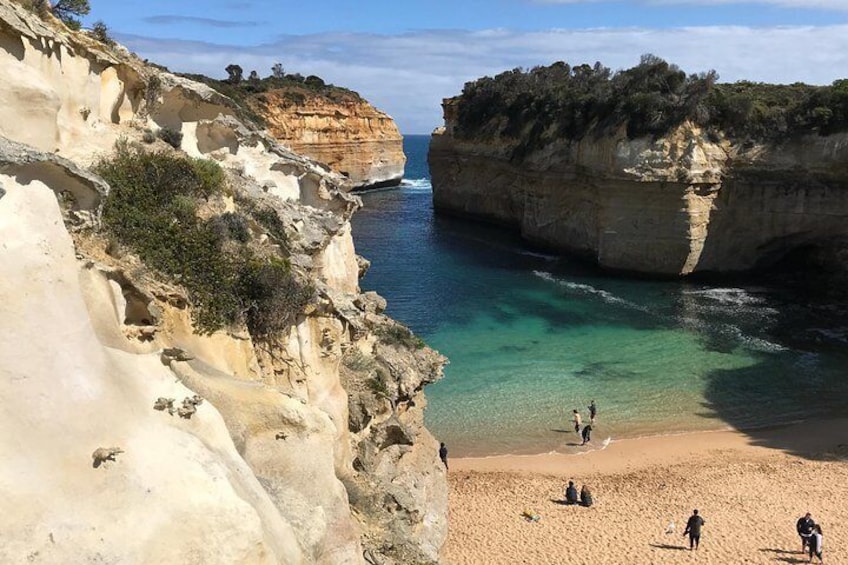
268, 468
672, 206
351, 136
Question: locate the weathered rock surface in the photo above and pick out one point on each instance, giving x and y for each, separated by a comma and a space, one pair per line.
272, 466
351, 136
677, 205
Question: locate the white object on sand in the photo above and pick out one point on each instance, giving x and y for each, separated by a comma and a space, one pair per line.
670, 528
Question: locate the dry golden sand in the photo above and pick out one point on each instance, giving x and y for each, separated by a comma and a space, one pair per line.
750, 489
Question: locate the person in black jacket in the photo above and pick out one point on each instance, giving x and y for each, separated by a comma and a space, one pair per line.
571, 494
804, 526
816, 544
693, 529
443, 454
587, 434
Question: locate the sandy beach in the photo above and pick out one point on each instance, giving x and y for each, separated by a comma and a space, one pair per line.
750, 488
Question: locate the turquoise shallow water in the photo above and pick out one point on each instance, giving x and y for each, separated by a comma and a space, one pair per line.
531, 336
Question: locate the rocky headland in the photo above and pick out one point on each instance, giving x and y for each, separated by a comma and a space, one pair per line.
650, 171
344, 131
250, 407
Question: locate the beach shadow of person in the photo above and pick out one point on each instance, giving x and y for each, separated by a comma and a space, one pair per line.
773, 550
669, 546
791, 560
560, 431
563, 502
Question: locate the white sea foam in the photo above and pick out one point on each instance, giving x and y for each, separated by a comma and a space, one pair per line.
544, 256
736, 296
416, 184
587, 289
725, 295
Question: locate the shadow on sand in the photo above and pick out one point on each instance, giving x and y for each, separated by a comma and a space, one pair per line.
669, 546
782, 555
825, 440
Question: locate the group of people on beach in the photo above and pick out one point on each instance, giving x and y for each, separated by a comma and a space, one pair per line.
811, 536
577, 420
571, 497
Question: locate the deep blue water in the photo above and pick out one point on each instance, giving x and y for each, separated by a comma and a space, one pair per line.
532, 336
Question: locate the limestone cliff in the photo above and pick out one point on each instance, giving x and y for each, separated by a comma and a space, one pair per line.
676, 204
345, 132
303, 447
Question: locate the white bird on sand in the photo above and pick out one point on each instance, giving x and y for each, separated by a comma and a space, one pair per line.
670, 528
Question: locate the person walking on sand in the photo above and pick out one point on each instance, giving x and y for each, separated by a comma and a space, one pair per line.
593, 411
587, 434
575, 417
815, 543
443, 454
804, 526
693, 530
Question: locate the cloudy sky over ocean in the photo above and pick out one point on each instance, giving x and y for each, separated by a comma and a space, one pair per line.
404, 56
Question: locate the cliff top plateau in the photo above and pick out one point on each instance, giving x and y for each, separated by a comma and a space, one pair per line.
650, 170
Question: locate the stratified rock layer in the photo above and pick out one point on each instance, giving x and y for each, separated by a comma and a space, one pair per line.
684, 203
348, 134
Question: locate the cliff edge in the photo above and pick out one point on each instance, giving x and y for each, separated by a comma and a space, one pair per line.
189, 369
347, 133
643, 177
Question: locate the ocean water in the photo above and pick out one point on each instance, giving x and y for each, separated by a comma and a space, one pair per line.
531, 336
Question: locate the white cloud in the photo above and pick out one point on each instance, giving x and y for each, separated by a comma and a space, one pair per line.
407, 75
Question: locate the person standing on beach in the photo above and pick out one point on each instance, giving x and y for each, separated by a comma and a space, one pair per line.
587, 434
443, 454
805, 526
575, 417
815, 543
693, 529
593, 411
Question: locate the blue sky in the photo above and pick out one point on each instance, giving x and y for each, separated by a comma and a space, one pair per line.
404, 56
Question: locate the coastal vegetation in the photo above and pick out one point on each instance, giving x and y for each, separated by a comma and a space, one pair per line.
294, 89
68, 11
558, 101
153, 209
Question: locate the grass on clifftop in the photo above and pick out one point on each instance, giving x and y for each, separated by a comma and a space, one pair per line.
544, 104
152, 209
294, 88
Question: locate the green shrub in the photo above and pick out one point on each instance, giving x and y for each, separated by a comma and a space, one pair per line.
355, 360
230, 225
152, 209
379, 386
100, 32
534, 107
171, 136
397, 334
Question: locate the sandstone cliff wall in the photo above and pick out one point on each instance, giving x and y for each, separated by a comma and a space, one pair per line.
351, 136
295, 454
676, 205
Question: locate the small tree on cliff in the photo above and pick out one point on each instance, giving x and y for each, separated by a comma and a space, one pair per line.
277, 71
235, 73
68, 10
